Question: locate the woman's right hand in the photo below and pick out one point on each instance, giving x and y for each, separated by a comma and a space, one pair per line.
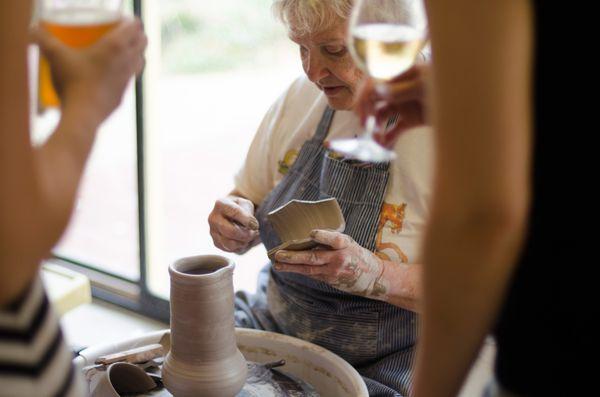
233, 226
96, 77
403, 96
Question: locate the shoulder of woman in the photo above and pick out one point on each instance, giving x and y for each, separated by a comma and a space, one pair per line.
296, 96
295, 107
302, 92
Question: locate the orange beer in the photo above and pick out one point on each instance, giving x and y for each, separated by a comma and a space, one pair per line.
77, 28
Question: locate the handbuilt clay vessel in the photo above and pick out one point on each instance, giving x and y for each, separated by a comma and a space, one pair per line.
294, 221
204, 359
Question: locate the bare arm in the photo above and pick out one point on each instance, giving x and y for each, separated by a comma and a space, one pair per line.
347, 266
23, 242
401, 285
481, 107
38, 186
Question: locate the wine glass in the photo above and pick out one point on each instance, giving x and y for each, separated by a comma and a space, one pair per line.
385, 37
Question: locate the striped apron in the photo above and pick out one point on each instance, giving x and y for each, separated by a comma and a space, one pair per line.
375, 337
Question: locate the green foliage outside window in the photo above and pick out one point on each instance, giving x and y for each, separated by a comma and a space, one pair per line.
200, 36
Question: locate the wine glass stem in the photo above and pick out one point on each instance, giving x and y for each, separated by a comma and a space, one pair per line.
370, 127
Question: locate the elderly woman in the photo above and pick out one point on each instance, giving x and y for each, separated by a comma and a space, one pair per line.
357, 296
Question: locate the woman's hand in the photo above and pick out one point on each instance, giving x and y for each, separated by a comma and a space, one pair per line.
233, 226
342, 263
94, 79
403, 95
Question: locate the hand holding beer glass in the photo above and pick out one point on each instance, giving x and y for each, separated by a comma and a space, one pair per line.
79, 24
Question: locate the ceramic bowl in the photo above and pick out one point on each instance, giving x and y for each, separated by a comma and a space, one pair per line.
121, 378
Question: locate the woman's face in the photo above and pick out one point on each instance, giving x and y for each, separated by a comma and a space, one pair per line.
327, 63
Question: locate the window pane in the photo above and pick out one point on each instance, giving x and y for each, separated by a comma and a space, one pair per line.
104, 229
214, 68
103, 232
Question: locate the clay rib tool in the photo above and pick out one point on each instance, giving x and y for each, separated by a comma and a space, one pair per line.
133, 356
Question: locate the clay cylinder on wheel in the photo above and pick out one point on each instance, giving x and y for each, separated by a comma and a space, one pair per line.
204, 359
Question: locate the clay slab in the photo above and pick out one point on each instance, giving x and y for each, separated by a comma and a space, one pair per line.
294, 221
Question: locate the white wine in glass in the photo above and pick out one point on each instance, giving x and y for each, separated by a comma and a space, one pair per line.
384, 50
385, 38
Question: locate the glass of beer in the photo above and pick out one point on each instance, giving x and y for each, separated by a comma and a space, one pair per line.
78, 24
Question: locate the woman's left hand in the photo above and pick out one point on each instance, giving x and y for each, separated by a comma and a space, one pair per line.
341, 263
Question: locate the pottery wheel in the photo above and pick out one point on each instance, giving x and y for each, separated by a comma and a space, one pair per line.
262, 381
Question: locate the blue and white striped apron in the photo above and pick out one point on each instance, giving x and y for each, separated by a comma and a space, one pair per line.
377, 338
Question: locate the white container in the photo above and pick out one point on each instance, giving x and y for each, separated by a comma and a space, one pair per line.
329, 374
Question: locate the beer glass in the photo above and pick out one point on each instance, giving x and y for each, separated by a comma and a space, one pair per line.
78, 24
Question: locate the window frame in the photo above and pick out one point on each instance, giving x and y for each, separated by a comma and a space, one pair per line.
113, 288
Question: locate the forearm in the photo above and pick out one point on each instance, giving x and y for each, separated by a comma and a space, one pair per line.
19, 205
365, 274
481, 115
60, 163
468, 268
400, 285
345, 265
39, 207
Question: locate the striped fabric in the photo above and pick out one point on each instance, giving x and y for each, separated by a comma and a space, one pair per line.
34, 360
375, 337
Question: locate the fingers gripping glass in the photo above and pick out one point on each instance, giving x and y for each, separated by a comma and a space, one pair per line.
78, 24
385, 37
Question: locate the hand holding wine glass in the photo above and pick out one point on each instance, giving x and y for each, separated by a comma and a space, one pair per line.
402, 98
385, 38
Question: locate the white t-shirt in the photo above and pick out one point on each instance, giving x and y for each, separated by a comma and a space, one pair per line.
293, 119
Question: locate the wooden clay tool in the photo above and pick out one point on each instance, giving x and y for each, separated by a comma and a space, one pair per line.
133, 356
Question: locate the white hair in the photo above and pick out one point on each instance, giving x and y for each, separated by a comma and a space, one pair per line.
303, 17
